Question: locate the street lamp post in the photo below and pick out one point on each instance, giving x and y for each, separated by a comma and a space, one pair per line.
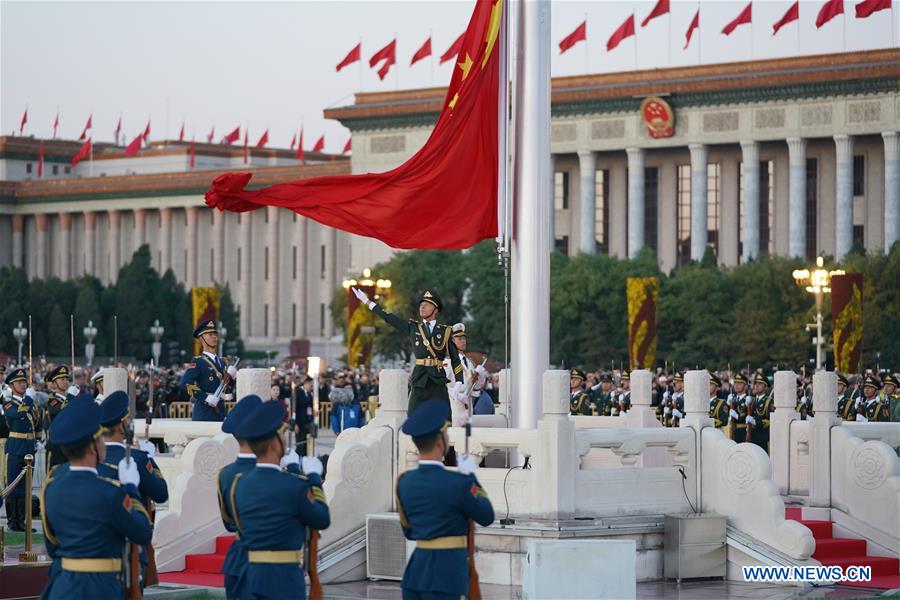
817, 282
157, 331
19, 333
222, 333
90, 332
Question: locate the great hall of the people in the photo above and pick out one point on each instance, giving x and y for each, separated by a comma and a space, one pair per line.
795, 157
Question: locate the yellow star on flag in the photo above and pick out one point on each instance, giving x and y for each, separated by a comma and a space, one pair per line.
466, 66
453, 102
493, 30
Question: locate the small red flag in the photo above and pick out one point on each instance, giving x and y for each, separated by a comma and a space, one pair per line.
300, 155
146, 131
320, 144
579, 35
351, 57
388, 54
695, 23
625, 30
55, 125
293, 141
246, 147
82, 153
192, 162
422, 52
135, 145
263, 140
181, 133
742, 19
829, 10
792, 14
867, 7
233, 136
349, 145
41, 160
212, 135
24, 120
118, 131
453, 50
661, 8
87, 126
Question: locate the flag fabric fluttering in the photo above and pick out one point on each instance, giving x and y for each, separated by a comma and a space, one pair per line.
352, 57
293, 141
135, 145
212, 135
146, 134
579, 35
792, 14
661, 8
82, 153
24, 120
453, 51
181, 133
41, 160
320, 144
829, 10
55, 125
263, 139
348, 146
625, 30
233, 136
695, 23
87, 127
423, 52
388, 54
300, 156
865, 8
745, 16
406, 207
192, 157
246, 146
118, 131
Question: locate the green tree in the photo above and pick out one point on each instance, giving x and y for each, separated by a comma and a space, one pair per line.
87, 310
15, 307
136, 292
230, 317
485, 307
58, 333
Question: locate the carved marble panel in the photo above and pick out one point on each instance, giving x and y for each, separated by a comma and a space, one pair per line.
605, 130
387, 144
721, 121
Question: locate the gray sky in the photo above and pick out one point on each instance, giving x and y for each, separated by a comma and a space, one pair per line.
271, 64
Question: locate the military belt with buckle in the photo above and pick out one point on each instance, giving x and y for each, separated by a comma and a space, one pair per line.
429, 362
449, 542
275, 557
92, 565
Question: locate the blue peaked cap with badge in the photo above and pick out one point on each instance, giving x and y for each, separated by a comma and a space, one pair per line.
206, 326
16, 375
262, 422
244, 407
114, 408
77, 424
430, 418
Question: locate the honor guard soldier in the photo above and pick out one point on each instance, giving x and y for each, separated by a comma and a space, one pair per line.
579, 404
758, 412
891, 397
846, 407
97, 380
677, 401
436, 509
622, 402
236, 558
804, 402
61, 393
473, 375
738, 402
23, 424
718, 407
602, 395
203, 377
272, 507
88, 518
875, 407
431, 345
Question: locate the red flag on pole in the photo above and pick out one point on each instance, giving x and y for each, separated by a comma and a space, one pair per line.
695, 23
625, 30
41, 160
348, 146
453, 51
388, 54
300, 155
192, 160
867, 7
181, 133
351, 57
320, 144
24, 120
135, 145
212, 135
82, 153
233, 136
743, 18
147, 130
263, 139
293, 141
55, 125
579, 35
246, 147
661, 8
118, 131
406, 207
829, 10
87, 126
422, 52
792, 14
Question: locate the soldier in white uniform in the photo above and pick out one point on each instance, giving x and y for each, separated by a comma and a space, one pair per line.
473, 375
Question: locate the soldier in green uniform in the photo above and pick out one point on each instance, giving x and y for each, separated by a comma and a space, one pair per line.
60, 393
737, 408
761, 406
622, 403
804, 405
601, 397
876, 407
845, 405
718, 407
431, 345
892, 398
579, 403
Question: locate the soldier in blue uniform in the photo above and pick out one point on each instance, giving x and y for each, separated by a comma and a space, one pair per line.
236, 559
436, 506
272, 508
88, 518
61, 392
23, 422
203, 376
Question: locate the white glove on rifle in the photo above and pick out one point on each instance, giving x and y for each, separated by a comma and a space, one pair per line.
667, 411
310, 465
212, 400
291, 458
733, 414
361, 296
29, 392
466, 464
751, 420
482, 372
232, 372
148, 447
128, 472
861, 417
677, 413
39, 445
73, 389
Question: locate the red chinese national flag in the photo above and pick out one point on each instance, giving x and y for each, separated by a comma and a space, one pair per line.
579, 35
661, 8
263, 139
300, 155
181, 133
388, 54
351, 57
82, 153
135, 145
422, 52
406, 207
55, 125
233, 136
320, 144
118, 131
746, 16
792, 14
453, 51
146, 131
867, 7
829, 10
41, 160
625, 30
348, 146
246, 146
24, 120
293, 141
87, 126
695, 23
212, 135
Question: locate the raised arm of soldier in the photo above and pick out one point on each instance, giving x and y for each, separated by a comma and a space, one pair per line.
398, 323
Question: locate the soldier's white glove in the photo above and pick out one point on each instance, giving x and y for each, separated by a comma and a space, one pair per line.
481, 371
861, 417
232, 372
751, 420
733, 414
29, 392
667, 411
747, 401
291, 458
467, 464
361, 296
73, 389
212, 400
310, 465
858, 401
677, 413
39, 445
128, 472
148, 447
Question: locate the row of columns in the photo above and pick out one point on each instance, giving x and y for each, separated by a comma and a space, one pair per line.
587, 162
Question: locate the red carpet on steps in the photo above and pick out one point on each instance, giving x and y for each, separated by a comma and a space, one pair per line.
202, 569
846, 552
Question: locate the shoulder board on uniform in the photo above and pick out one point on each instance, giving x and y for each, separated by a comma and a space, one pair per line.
110, 480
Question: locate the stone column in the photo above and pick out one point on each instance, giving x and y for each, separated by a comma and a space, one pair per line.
272, 242
560, 463
246, 283
115, 379
328, 284
843, 206
18, 241
750, 160
65, 245
253, 381
587, 166
190, 245
891, 188
699, 205
300, 283
635, 200
165, 239
41, 255
618, 210
89, 243
140, 228
825, 402
115, 244
696, 408
797, 197
780, 428
641, 413
218, 236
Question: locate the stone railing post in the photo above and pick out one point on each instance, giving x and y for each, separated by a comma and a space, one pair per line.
393, 392
696, 407
253, 381
505, 383
115, 379
780, 428
641, 414
825, 405
558, 460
